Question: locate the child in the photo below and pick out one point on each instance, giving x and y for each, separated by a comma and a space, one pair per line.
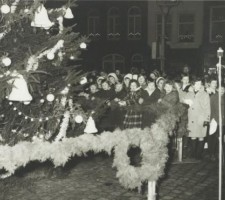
133, 118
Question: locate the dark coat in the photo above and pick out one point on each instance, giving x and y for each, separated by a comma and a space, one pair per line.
214, 104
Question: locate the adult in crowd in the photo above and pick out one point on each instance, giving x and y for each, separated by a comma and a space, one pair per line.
198, 116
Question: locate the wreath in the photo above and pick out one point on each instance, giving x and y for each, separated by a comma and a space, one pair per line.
153, 143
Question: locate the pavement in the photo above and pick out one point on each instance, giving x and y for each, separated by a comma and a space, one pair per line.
93, 178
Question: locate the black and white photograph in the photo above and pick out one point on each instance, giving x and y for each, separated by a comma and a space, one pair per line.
112, 99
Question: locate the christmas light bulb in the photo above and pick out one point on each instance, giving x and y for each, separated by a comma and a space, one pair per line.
19, 113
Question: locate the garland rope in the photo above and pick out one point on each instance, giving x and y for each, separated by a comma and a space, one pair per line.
153, 143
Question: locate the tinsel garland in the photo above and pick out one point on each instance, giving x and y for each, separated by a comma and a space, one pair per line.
63, 126
153, 143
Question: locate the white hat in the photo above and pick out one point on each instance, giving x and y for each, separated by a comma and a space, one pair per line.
114, 76
128, 76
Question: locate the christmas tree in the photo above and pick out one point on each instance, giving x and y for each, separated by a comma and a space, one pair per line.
38, 71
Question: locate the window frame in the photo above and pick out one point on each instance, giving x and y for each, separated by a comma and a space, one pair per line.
188, 23
96, 17
134, 26
116, 34
211, 22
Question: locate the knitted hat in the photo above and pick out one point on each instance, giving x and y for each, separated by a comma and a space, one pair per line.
156, 73
114, 76
100, 78
159, 79
128, 76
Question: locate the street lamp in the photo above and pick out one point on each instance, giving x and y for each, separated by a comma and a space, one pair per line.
165, 6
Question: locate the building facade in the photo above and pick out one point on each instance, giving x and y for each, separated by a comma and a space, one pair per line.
118, 34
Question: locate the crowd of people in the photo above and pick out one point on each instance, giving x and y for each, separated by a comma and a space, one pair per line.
200, 96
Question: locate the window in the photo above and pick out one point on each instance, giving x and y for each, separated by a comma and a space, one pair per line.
113, 24
134, 23
112, 62
217, 24
137, 61
168, 28
93, 24
186, 31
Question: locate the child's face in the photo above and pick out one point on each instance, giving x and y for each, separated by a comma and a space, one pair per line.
141, 80
112, 80
168, 88
160, 84
151, 85
126, 81
118, 87
105, 86
133, 87
197, 85
93, 89
152, 76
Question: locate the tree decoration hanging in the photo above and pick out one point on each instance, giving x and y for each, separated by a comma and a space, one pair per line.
30, 48
5, 9
41, 18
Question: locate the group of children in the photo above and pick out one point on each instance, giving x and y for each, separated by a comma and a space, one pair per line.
133, 90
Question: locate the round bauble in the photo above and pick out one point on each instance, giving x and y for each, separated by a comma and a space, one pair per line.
6, 61
78, 119
50, 97
5, 9
50, 56
83, 45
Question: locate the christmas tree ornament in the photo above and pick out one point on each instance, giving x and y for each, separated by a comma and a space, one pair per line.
6, 61
42, 101
60, 21
72, 57
90, 126
5, 9
26, 10
78, 119
65, 91
50, 97
83, 80
68, 14
19, 90
14, 6
50, 56
41, 18
83, 45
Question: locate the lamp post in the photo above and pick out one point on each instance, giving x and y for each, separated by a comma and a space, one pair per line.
219, 66
165, 6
